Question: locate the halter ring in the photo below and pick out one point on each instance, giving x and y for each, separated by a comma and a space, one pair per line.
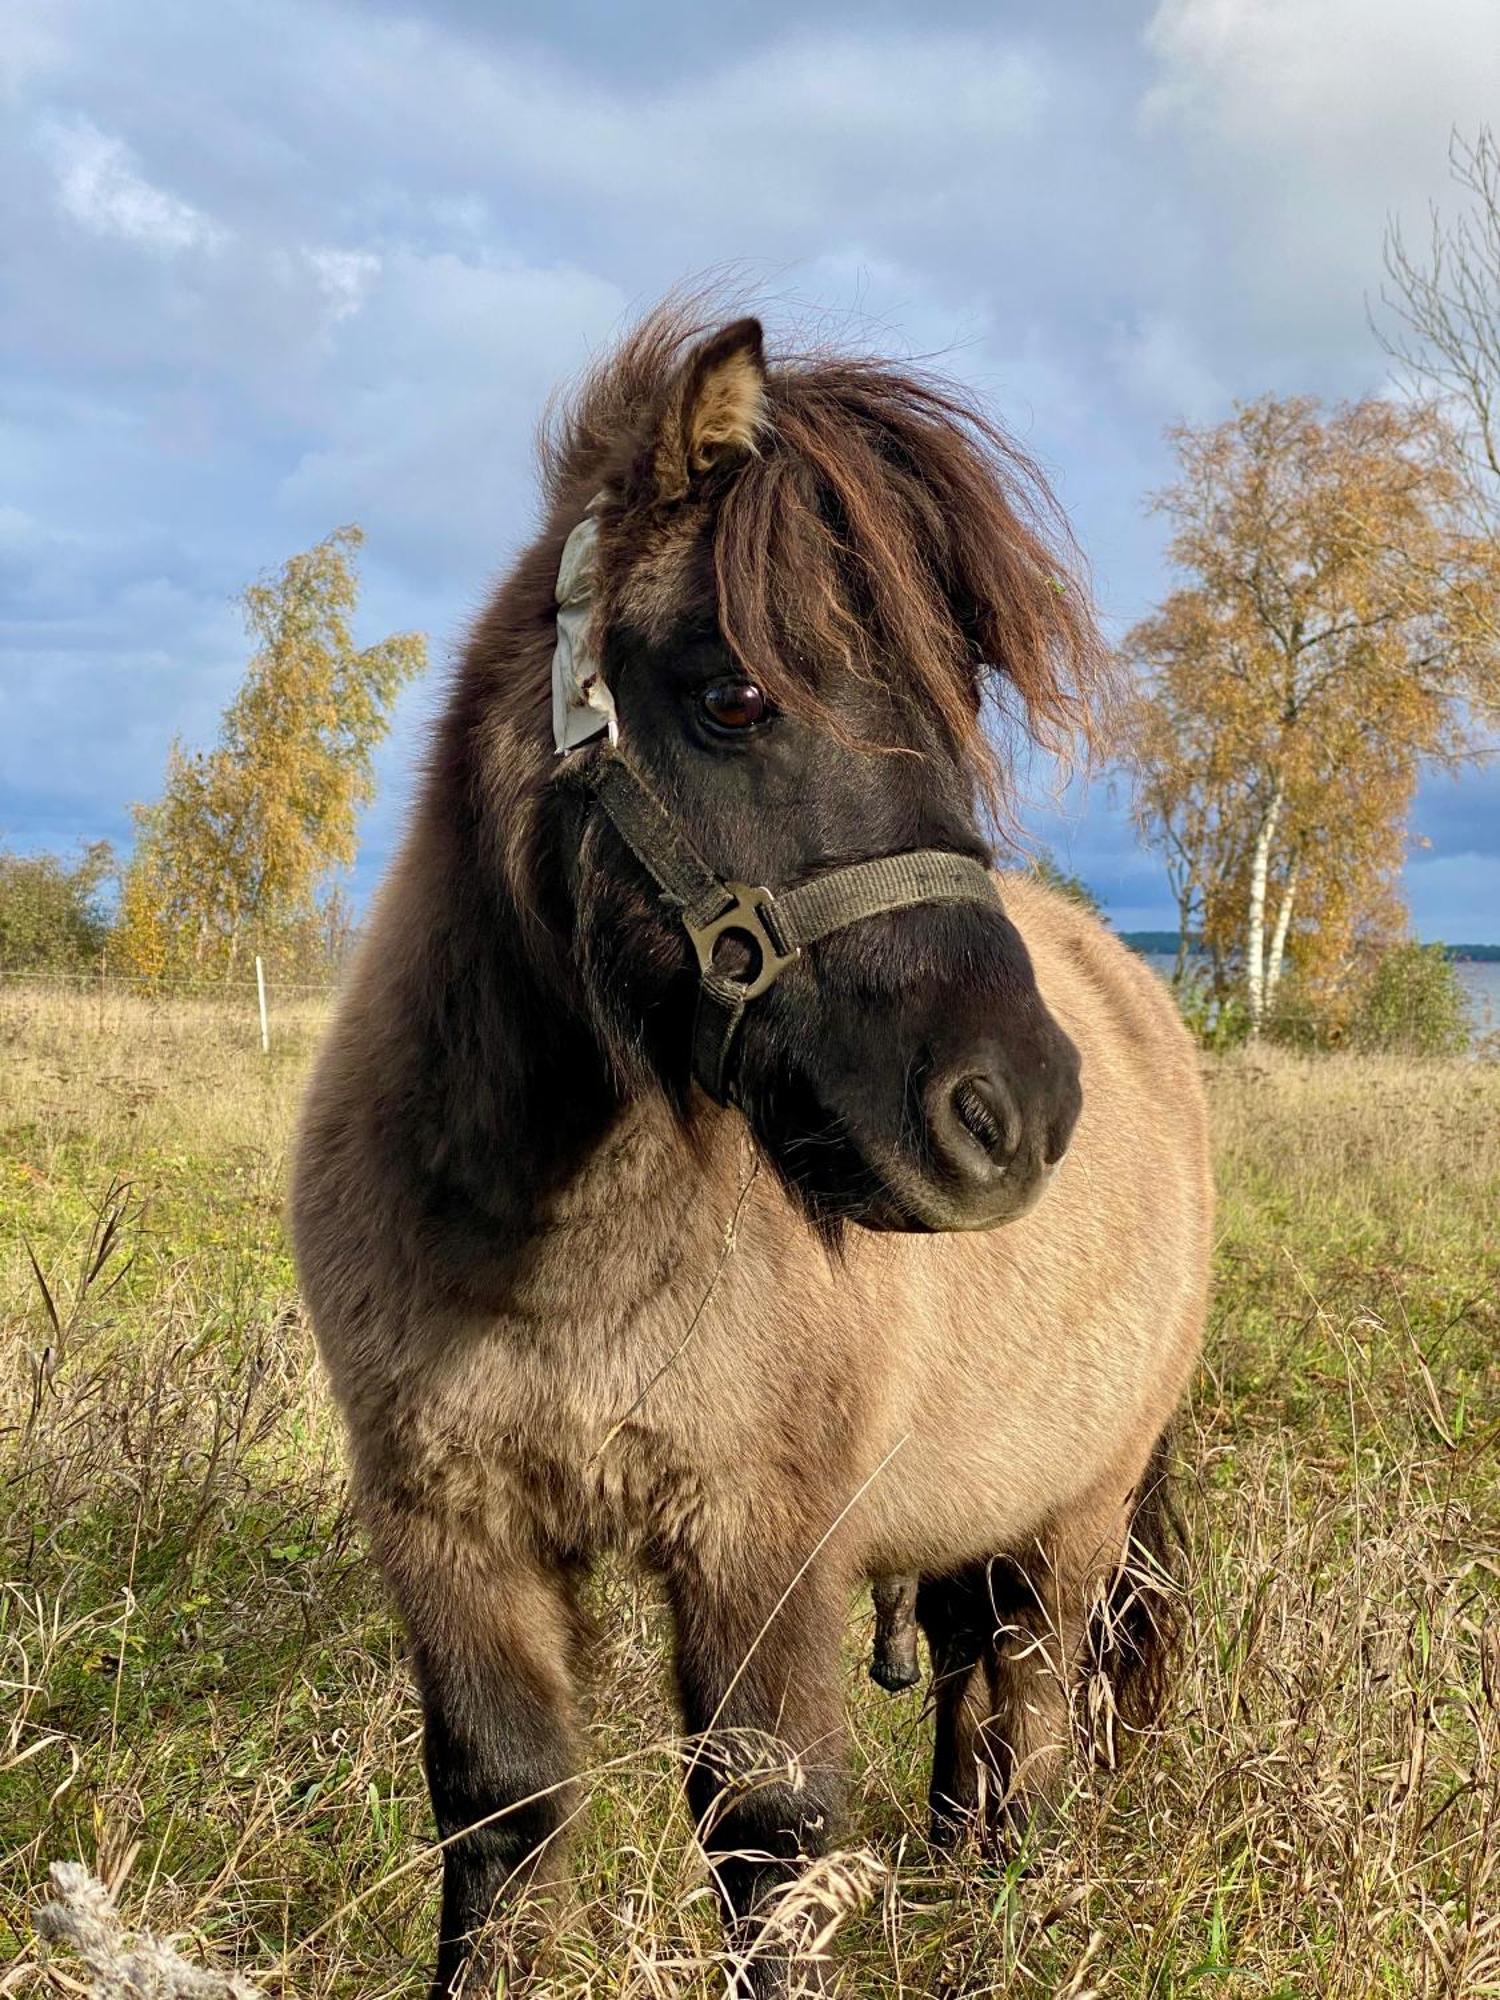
751, 915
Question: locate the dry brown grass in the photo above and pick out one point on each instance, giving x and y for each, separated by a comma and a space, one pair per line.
203, 1694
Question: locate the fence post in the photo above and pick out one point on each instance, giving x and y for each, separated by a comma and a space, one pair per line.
260, 989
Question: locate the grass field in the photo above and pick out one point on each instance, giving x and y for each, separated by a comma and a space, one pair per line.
202, 1693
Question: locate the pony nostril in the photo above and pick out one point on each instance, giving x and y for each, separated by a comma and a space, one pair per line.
976, 1116
983, 1107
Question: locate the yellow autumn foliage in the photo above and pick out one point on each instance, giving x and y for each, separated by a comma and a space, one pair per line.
238, 854
1336, 628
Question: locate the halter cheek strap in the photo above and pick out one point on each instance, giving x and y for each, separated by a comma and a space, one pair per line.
774, 926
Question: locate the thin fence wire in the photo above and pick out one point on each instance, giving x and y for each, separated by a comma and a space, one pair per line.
238, 988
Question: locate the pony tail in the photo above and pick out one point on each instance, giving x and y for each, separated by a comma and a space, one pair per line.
1138, 1631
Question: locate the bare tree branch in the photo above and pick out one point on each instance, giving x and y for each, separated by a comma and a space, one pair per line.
1445, 306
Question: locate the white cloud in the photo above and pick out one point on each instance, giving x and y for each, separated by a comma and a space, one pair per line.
1353, 82
820, 130
776, 152
1160, 361
98, 186
344, 278
428, 409
1300, 127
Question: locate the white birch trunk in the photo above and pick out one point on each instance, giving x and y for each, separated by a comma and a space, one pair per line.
1184, 918
1255, 928
1277, 959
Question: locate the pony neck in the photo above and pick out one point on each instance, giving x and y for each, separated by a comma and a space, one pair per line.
526, 1131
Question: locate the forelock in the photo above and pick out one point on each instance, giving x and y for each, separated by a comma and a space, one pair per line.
886, 527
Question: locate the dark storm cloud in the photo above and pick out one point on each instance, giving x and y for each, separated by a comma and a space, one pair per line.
270, 268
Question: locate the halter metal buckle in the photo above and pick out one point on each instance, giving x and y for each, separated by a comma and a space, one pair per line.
752, 915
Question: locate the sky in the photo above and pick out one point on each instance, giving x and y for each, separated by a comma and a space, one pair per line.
268, 268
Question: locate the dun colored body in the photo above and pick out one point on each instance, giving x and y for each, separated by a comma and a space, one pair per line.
774, 1348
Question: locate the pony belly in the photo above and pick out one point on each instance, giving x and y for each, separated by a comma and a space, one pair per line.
963, 1496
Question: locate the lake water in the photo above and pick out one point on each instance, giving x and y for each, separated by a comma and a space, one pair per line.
1480, 979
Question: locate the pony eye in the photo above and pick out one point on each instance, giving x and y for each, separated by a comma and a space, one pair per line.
735, 704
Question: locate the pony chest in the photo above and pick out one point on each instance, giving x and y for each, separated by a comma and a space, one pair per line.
571, 1439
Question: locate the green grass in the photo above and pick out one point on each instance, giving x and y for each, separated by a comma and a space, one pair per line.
202, 1692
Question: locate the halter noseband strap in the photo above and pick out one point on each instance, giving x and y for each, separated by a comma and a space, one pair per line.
774, 926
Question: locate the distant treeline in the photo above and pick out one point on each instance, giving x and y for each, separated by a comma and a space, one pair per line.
1163, 944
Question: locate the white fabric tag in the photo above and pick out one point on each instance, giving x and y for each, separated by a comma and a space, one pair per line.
582, 705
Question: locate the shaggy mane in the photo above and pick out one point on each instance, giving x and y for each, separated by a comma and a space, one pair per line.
886, 523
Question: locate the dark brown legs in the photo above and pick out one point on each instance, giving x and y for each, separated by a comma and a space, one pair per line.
759, 1671
491, 1640
758, 1663
762, 1704
1008, 1642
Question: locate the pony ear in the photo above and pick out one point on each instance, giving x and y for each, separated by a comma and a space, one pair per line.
716, 410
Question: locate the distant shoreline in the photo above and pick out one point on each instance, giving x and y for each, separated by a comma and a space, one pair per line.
1165, 943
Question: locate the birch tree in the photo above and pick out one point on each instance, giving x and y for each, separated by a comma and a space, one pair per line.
240, 852
1334, 630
